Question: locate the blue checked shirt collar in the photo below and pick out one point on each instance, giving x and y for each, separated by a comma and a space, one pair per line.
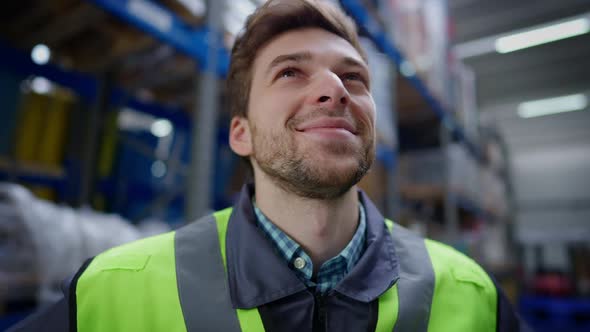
332, 271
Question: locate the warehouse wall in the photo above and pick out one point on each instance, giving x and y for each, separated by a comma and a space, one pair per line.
552, 191
551, 176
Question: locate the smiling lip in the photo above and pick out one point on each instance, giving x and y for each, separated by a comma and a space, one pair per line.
328, 123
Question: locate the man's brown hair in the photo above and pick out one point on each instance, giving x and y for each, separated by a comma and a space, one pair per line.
267, 22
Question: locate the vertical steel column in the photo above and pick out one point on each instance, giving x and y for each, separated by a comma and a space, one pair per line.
93, 124
393, 195
204, 127
450, 199
451, 214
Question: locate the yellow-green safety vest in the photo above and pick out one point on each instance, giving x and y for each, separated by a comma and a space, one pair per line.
145, 285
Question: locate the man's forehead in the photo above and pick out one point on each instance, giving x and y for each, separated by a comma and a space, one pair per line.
309, 44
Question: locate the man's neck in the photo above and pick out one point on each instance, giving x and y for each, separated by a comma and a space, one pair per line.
322, 227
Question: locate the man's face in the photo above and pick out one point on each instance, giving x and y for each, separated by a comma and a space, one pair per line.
310, 125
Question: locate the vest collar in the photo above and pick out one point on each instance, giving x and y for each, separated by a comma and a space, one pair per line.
257, 275
378, 268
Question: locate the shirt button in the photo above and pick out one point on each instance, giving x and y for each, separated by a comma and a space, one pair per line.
299, 263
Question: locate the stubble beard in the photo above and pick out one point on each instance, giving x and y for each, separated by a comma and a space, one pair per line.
299, 172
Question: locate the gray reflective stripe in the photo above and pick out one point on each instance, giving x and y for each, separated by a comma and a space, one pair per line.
416, 283
202, 285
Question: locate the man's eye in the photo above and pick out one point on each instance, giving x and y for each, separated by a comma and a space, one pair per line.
353, 77
289, 72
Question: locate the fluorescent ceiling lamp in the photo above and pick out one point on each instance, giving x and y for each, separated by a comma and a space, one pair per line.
531, 109
232, 23
245, 7
542, 35
530, 37
132, 120
236, 16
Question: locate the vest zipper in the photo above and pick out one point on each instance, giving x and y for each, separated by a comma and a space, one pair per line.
320, 313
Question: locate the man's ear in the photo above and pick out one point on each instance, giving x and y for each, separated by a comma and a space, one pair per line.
240, 139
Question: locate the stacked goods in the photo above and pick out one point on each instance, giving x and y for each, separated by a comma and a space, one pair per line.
463, 173
52, 146
464, 98
423, 167
42, 133
493, 192
106, 156
29, 135
420, 30
429, 168
381, 72
497, 159
374, 184
494, 175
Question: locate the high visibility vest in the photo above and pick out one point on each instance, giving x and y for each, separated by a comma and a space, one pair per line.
149, 284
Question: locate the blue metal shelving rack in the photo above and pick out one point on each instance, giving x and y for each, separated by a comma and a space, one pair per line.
85, 86
171, 30
372, 29
375, 33
160, 23
164, 25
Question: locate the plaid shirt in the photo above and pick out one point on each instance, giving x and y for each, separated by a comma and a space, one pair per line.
332, 271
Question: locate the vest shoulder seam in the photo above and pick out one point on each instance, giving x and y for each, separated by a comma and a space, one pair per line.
458, 266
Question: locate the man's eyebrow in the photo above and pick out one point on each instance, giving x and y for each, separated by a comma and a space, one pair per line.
294, 57
354, 62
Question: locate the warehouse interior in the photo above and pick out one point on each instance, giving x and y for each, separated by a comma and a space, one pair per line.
114, 118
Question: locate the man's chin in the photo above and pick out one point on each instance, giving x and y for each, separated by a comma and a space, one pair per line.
316, 174
331, 150
320, 191
327, 182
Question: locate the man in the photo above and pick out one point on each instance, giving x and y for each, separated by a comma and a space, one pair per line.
303, 249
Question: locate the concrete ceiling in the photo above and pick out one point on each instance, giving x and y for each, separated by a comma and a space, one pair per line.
542, 71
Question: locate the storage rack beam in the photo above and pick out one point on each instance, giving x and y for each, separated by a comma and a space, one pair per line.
56, 182
164, 25
85, 86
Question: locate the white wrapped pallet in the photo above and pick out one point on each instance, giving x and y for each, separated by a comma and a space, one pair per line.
420, 30
47, 243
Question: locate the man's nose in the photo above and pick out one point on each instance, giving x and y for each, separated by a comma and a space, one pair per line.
329, 91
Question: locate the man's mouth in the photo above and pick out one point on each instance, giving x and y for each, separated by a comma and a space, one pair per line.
327, 124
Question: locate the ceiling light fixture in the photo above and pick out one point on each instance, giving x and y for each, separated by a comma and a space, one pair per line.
407, 69
528, 37
161, 128
542, 35
536, 108
40, 54
41, 85
196, 7
158, 169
